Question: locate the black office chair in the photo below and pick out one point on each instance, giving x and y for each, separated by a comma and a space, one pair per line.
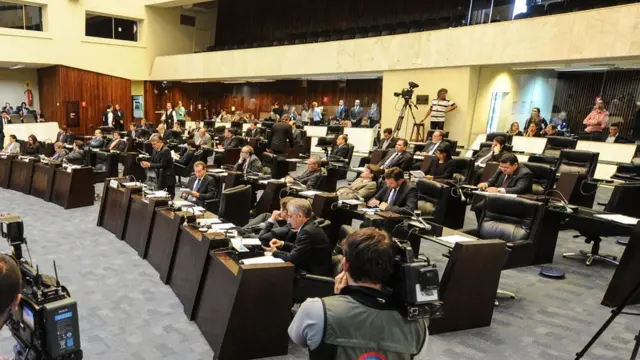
186, 170
555, 145
335, 130
624, 200
488, 144
445, 134
219, 130
491, 136
464, 170
432, 200
578, 161
278, 165
544, 177
235, 204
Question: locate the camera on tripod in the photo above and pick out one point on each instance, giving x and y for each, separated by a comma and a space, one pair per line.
407, 93
45, 325
415, 285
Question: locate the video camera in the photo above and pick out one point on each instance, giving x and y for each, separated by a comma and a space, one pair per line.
407, 94
414, 285
45, 325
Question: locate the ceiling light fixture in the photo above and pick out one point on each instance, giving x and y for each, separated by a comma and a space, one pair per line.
16, 66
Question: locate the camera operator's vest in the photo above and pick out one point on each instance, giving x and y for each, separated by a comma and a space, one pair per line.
363, 329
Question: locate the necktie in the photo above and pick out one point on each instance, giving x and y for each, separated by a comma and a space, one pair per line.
390, 160
505, 183
392, 197
196, 186
246, 164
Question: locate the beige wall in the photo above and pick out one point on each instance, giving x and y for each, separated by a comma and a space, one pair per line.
461, 82
63, 42
566, 37
12, 87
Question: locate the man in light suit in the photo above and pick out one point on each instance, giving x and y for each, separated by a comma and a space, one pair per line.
364, 187
341, 111
61, 152
399, 196
13, 147
356, 113
201, 185
202, 138
312, 178
96, 142
248, 162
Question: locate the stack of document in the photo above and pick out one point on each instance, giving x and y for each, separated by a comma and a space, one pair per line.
261, 260
208, 221
220, 227
453, 239
622, 219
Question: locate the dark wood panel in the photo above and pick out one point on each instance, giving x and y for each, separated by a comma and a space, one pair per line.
60, 84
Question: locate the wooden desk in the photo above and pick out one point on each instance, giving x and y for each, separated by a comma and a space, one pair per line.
42, 181
162, 242
5, 170
190, 262
21, 173
230, 316
113, 213
141, 213
73, 189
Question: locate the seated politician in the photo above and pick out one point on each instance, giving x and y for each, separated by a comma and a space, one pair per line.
96, 142
230, 141
364, 187
260, 221
117, 144
398, 196
249, 162
312, 178
399, 158
511, 178
277, 226
488, 154
253, 131
311, 250
187, 157
444, 167
76, 157
13, 147
201, 186
33, 147
341, 149
60, 153
202, 138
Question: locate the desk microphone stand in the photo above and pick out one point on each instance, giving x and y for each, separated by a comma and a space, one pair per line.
614, 313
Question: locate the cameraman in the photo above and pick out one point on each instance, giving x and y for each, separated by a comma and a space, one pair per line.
10, 286
362, 320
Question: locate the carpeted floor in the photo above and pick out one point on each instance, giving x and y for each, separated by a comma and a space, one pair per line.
127, 313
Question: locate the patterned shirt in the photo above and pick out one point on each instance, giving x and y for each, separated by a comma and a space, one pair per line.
438, 108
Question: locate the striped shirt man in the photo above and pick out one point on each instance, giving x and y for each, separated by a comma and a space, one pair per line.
438, 108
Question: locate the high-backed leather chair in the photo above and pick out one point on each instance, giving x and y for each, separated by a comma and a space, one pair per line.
432, 200
578, 162
464, 169
278, 165
445, 134
186, 170
491, 136
544, 177
235, 204
555, 145
488, 144
624, 200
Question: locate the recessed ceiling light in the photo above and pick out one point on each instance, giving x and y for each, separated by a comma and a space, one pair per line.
16, 66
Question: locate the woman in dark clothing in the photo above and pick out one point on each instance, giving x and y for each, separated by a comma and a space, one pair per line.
537, 119
533, 131
33, 148
444, 167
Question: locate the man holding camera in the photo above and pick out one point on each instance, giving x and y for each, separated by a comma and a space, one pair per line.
360, 322
10, 286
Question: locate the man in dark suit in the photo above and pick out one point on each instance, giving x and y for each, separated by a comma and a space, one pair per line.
311, 250
187, 157
399, 196
431, 146
201, 185
145, 125
248, 162
487, 154
117, 144
162, 163
76, 157
387, 142
510, 179
341, 149
341, 111
399, 158
3, 120
312, 178
253, 131
118, 118
281, 132
196, 128
355, 114
230, 141
96, 142
614, 135
132, 133
60, 153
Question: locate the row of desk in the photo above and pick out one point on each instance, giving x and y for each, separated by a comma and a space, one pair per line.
48, 181
223, 297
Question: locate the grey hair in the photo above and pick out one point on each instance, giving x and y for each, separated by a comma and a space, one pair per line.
316, 159
300, 206
155, 137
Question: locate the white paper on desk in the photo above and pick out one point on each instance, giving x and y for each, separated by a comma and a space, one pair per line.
261, 260
251, 241
158, 193
418, 157
310, 193
452, 239
622, 219
352, 202
294, 160
131, 184
199, 208
224, 226
371, 210
216, 170
484, 193
209, 221
182, 203
174, 155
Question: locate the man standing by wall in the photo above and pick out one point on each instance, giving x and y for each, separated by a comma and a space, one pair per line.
439, 108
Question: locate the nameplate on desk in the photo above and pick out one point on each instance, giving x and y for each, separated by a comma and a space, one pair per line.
453, 239
216, 171
114, 184
484, 193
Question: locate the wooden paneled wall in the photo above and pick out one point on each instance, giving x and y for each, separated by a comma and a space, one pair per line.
61, 84
254, 98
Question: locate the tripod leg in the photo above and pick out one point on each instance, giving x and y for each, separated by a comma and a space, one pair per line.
636, 347
595, 337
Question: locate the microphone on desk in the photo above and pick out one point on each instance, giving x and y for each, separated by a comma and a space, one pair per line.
563, 201
418, 219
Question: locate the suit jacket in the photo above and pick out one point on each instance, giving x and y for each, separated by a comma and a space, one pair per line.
390, 146
280, 133
311, 180
272, 231
519, 183
405, 201
96, 142
118, 118
442, 171
32, 150
75, 158
484, 152
148, 127
13, 148
254, 167
203, 140
340, 151
297, 137
132, 134
355, 115
59, 156
311, 251
121, 146
403, 160
619, 139
341, 113
186, 158
257, 132
363, 189
63, 137
206, 188
232, 142
162, 163
430, 147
